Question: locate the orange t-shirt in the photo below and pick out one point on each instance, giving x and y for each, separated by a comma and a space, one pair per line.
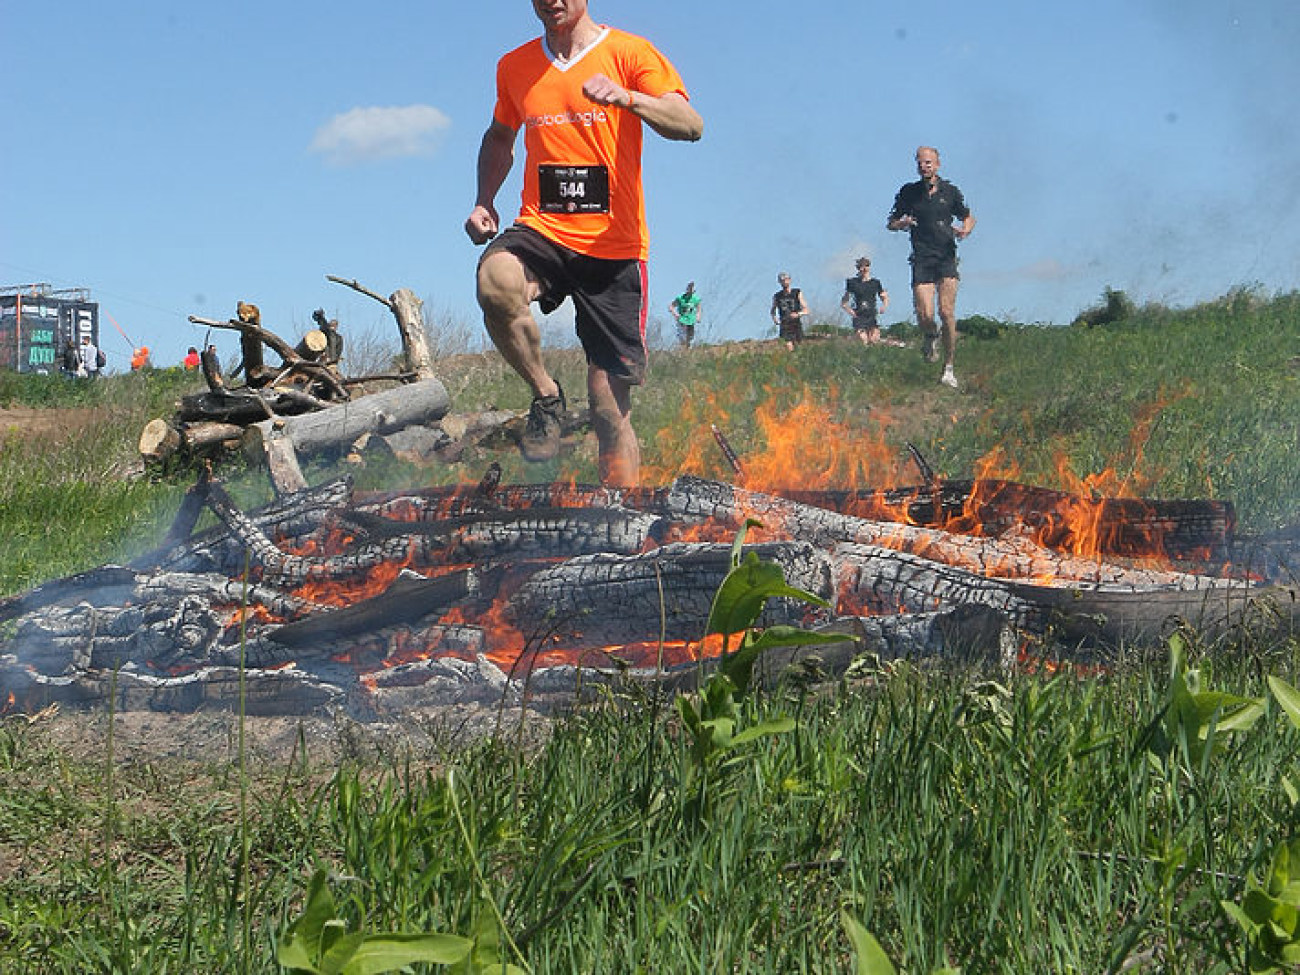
582, 175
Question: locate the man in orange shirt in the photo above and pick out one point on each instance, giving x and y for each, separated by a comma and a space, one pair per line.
581, 93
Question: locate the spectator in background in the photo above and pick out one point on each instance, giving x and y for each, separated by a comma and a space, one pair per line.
687, 310
191, 360
90, 358
926, 209
71, 360
789, 309
140, 359
214, 359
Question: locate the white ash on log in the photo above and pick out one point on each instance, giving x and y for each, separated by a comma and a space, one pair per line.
883, 581
531, 533
972, 633
611, 600
696, 499
432, 504
263, 692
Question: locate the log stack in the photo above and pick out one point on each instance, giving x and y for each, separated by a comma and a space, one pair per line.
302, 406
331, 598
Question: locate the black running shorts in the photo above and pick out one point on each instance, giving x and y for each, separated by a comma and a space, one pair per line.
609, 298
932, 270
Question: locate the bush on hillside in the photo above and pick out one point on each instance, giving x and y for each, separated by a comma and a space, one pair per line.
1115, 306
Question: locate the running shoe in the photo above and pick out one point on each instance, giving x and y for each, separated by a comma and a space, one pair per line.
930, 348
541, 437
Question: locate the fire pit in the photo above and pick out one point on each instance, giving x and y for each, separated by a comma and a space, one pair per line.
529, 594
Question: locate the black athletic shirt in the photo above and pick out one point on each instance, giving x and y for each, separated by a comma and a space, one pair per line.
864, 295
932, 236
787, 303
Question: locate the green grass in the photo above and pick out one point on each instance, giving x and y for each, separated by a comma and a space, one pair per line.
1003, 823
1004, 828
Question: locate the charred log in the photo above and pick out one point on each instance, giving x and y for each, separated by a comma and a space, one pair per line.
696, 499
406, 601
608, 599
881, 581
532, 533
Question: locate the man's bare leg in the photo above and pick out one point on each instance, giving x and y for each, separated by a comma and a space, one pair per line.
948, 315
611, 416
505, 289
923, 303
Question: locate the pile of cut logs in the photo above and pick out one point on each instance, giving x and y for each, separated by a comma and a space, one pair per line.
380, 603
304, 405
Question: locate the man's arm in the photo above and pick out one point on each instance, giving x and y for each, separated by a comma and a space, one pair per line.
844, 303
496, 155
884, 300
803, 305
899, 218
668, 114
967, 225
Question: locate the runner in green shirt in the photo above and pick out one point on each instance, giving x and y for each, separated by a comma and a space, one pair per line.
686, 309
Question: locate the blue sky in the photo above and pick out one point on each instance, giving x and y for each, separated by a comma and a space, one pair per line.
175, 159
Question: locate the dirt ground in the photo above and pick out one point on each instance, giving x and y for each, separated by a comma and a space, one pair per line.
23, 421
212, 738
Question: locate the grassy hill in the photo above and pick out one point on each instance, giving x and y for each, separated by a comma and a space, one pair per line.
970, 820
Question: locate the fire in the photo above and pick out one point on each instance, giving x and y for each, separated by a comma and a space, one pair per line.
805, 446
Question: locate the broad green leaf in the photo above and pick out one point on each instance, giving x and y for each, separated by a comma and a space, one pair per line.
335, 959
294, 953
1288, 697
1244, 921
739, 666
775, 726
870, 957
1292, 796
743, 593
388, 952
301, 947
1279, 869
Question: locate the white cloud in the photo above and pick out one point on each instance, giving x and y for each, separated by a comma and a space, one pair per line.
368, 134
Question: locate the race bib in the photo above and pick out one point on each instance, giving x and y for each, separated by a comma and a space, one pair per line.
573, 189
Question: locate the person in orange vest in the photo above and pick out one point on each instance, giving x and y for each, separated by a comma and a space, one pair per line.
140, 359
191, 360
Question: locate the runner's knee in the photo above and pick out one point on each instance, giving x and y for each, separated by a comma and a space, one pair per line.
503, 287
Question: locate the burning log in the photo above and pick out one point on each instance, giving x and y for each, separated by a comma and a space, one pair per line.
279, 442
408, 600
283, 568
449, 502
668, 592
539, 577
218, 549
882, 581
692, 498
531, 533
